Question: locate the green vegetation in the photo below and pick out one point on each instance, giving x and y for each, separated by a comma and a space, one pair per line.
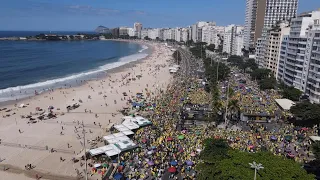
263, 76
316, 149
306, 113
220, 162
177, 56
211, 47
291, 93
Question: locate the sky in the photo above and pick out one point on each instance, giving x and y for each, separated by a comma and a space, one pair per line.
86, 15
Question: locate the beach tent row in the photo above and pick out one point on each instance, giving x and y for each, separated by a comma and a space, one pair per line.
138, 120
119, 142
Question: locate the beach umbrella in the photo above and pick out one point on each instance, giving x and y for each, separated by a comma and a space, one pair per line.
287, 150
193, 154
154, 147
117, 176
181, 137
150, 163
273, 138
150, 152
174, 163
288, 138
169, 139
172, 170
143, 140
189, 163
105, 165
97, 165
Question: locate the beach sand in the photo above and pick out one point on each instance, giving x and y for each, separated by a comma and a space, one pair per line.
23, 143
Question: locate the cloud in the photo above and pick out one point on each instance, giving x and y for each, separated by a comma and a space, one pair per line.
46, 8
89, 10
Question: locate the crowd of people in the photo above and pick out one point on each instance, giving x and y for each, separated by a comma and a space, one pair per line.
168, 150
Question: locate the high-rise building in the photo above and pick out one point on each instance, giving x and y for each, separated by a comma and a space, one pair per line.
178, 34
131, 32
115, 32
184, 34
154, 33
233, 40
274, 39
137, 29
168, 34
262, 14
144, 33
238, 41
299, 63
194, 32
123, 31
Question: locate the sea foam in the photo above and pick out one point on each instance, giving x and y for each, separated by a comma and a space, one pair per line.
19, 92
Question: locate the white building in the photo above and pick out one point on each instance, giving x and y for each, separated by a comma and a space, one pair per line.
168, 34
238, 41
299, 63
194, 29
184, 34
233, 40
154, 33
209, 34
262, 14
123, 31
271, 51
178, 34
131, 32
144, 33
137, 29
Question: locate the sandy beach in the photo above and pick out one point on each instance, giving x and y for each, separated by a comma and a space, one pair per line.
49, 145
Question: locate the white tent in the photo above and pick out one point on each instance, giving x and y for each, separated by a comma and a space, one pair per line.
285, 104
121, 127
22, 106
141, 121
125, 145
128, 132
129, 124
315, 138
99, 150
112, 151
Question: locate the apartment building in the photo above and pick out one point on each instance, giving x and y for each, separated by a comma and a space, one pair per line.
184, 34
144, 33
262, 14
272, 47
233, 40
123, 31
177, 32
137, 29
299, 62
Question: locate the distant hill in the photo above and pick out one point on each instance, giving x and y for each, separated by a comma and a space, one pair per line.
102, 29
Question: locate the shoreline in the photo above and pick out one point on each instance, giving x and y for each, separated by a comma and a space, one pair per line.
105, 102
105, 73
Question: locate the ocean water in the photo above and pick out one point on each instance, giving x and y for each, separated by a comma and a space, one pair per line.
29, 67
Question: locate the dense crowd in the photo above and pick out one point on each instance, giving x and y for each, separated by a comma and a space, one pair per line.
169, 152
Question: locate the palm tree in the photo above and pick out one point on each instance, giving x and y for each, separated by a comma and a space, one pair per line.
234, 108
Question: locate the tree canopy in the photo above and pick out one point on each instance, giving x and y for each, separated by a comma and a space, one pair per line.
291, 93
306, 113
267, 83
211, 47
220, 162
177, 56
198, 52
316, 149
